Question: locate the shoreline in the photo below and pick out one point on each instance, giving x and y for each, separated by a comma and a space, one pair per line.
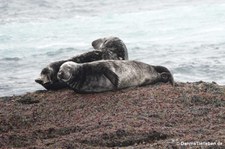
44, 90
154, 116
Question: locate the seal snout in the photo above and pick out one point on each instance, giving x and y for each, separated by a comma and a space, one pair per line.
40, 81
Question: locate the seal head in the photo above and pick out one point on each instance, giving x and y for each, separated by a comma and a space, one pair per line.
67, 70
112, 44
45, 76
165, 75
48, 78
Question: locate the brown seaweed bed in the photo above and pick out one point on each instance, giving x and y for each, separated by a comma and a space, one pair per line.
189, 115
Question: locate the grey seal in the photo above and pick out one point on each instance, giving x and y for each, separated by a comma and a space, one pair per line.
114, 45
107, 75
108, 48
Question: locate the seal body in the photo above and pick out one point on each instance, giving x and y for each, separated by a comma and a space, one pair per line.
106, 75
115, 47
110, 48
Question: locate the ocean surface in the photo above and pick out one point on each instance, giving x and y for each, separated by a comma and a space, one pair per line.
186, 36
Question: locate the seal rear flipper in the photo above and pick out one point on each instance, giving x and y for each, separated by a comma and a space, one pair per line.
112, 76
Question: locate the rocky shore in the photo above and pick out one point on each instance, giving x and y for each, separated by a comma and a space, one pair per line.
189, 115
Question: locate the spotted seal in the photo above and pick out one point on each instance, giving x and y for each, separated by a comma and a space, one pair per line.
106, 75
108, 48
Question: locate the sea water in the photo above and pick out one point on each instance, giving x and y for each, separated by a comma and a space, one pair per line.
186, 36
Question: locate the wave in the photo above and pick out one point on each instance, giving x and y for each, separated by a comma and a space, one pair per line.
57, 52
10, 59
60, 51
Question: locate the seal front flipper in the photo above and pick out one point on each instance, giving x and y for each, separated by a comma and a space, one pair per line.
112, 76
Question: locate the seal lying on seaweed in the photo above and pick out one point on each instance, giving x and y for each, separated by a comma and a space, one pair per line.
109, 48
106, 75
